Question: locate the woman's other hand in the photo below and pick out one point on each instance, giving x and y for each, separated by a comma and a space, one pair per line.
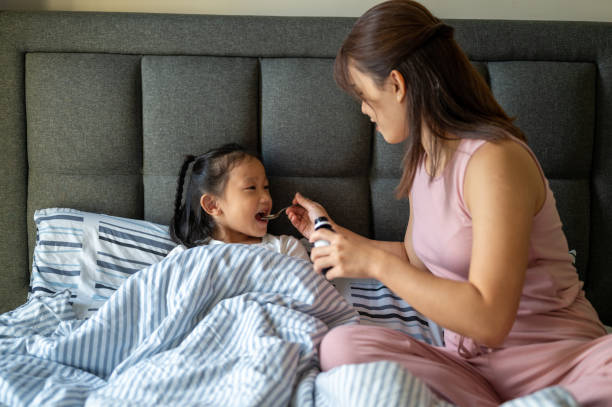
303, 214
347, 256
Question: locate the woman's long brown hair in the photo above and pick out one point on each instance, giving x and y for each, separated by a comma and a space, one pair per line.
442, 86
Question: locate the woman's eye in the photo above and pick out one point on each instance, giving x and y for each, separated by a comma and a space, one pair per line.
251, 187
267, 187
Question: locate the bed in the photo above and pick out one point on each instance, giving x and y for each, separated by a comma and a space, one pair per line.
98, 110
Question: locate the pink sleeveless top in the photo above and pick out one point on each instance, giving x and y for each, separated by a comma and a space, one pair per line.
552, 305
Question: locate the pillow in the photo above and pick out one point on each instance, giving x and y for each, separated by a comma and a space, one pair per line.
91, 254
377, 305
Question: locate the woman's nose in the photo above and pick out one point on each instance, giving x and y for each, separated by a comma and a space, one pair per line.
365, 109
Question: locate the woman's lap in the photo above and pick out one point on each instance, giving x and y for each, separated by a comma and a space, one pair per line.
582, 367
448, 375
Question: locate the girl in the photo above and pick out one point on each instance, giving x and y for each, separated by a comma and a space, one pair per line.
484, 253
227, 197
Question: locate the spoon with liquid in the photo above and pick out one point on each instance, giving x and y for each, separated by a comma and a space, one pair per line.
275, 215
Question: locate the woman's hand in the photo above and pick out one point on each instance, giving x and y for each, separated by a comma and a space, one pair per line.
347, 256
303, 214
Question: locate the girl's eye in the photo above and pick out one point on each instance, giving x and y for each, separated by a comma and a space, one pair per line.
251, 187
267, 187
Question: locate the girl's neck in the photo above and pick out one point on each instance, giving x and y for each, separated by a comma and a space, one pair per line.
232, 236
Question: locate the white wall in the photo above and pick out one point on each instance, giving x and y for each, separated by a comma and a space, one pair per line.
585, 10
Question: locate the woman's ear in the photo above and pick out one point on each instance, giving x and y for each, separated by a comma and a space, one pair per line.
210, 205
399, 85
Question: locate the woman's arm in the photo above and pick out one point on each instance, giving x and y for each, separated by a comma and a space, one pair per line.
396, 248
503, 191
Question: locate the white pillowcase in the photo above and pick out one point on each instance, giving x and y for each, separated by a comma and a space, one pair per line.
91, 254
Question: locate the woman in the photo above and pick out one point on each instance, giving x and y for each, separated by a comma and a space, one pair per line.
484, 253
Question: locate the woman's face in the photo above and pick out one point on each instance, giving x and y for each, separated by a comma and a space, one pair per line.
245, 199
386, 105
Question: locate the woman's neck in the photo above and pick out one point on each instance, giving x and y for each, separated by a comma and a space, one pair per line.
447, 147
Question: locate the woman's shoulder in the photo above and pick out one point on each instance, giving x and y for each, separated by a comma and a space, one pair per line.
509, 163
511, 153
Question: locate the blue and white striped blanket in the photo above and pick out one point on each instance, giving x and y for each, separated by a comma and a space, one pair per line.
223, 325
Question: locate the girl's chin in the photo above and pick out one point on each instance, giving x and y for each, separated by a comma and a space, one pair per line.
260, 231
261, 225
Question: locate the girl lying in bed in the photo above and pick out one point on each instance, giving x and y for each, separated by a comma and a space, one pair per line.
227, 197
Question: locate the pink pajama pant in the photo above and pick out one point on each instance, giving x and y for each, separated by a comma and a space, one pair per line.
584, 368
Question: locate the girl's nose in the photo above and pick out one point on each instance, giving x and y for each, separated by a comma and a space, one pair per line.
265, 196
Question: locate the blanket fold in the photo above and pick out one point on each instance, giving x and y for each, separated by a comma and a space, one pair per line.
218, 325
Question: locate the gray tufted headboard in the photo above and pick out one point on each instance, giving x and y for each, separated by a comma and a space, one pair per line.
98, 109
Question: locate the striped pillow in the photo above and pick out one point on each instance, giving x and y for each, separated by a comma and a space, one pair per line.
377, 305
91, 254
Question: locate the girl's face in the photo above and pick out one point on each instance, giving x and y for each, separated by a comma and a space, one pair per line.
245, 199
386, 105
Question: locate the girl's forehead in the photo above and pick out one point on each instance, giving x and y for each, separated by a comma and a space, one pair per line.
249, 167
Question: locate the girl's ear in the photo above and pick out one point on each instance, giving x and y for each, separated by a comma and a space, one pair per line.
399, 85
210, 205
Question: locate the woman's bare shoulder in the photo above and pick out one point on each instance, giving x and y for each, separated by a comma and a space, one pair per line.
504, 164
505, 151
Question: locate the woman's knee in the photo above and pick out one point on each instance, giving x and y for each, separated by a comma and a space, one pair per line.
339, 347
351, 344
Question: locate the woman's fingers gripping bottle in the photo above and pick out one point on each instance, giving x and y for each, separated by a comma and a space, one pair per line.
322, 223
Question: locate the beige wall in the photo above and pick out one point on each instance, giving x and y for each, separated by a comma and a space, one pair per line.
586, 10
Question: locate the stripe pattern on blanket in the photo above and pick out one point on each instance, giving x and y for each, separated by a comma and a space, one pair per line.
217, 325
224, 325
